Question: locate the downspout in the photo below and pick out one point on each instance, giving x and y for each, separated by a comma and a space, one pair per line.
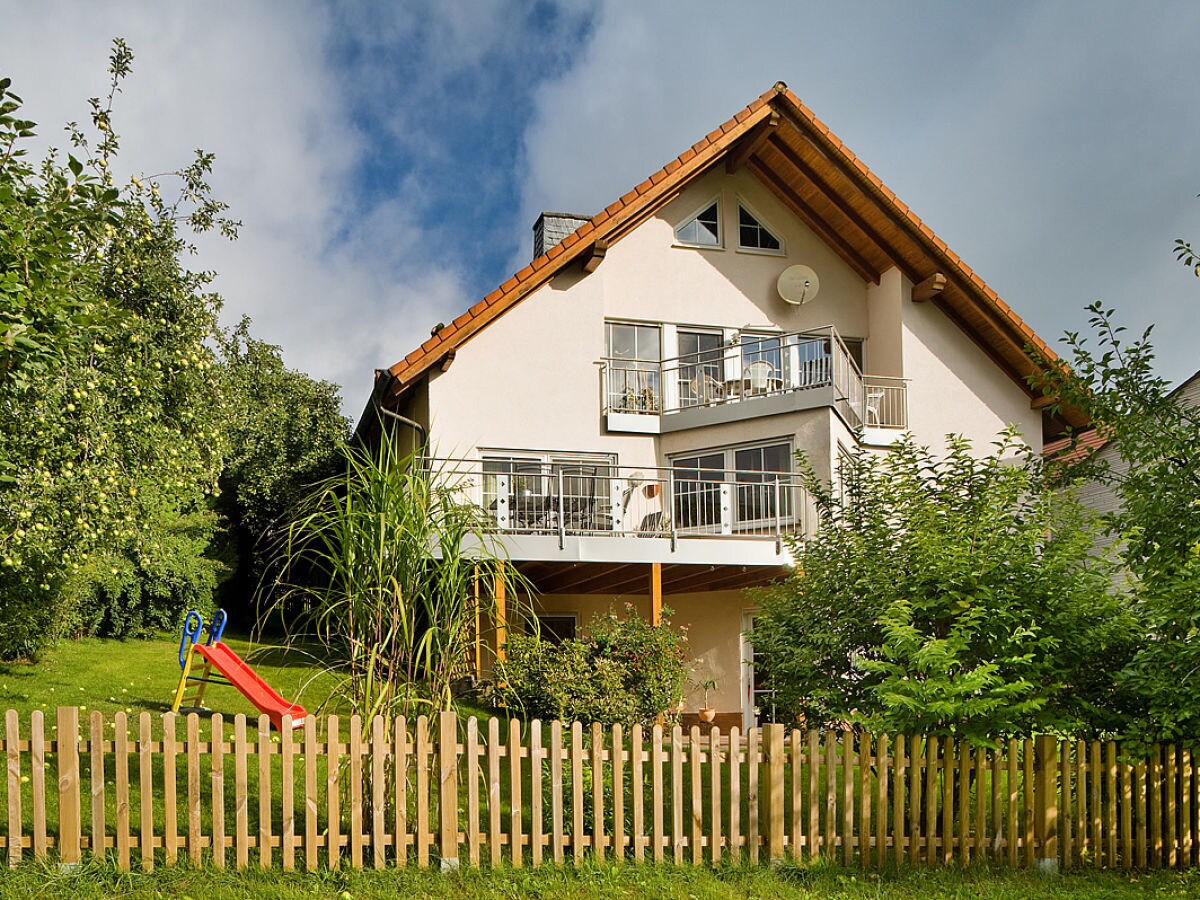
384, 380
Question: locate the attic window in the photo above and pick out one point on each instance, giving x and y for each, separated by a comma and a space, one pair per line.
753, 235
703, 229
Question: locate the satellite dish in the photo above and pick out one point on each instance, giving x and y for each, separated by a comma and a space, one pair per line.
798, 285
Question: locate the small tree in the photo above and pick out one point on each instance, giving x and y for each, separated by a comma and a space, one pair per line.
1156, 477
951, 595
380, 564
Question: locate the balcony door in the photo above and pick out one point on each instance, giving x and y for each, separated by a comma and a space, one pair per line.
701, 371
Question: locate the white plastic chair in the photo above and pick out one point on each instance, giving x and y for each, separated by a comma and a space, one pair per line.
759, 375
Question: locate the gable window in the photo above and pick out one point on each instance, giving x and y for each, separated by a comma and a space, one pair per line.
754, 235
703, 229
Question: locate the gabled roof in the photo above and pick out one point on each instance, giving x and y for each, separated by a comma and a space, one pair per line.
831, 190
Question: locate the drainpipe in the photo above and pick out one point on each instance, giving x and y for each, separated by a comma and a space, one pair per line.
383, 383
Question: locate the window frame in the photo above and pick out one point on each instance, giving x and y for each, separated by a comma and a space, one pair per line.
729, 475
764, 226
689, 219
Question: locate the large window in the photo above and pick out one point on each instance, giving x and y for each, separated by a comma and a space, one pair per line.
522, 490
758, 479
634, 354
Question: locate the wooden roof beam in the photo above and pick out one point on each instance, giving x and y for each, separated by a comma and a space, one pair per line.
751, 143
929, 288
840, 245
835, 198
594, 255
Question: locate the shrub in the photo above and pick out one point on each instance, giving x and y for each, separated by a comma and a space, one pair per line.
627, 671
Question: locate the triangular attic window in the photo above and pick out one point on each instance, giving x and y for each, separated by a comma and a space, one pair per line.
752, 234
702, 229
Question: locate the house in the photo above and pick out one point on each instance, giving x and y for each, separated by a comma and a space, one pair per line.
1098, 494
627, 407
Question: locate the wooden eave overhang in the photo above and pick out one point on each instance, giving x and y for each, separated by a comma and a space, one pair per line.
831, 190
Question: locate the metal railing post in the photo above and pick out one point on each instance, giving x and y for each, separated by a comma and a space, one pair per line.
562, 513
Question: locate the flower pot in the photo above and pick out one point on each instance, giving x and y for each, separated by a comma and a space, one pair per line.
707, 714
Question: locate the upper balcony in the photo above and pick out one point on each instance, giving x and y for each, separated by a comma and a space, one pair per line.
754, 376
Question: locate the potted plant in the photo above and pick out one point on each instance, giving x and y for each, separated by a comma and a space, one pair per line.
707, 713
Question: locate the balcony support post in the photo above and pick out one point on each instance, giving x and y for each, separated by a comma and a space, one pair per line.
656, 594
726, 500
501, 612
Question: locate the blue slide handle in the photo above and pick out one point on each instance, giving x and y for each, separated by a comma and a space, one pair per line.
193, 624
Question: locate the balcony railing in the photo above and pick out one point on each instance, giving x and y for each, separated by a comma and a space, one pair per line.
757, 366
569, 498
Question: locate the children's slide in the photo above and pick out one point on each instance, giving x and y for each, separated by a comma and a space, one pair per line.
250, 683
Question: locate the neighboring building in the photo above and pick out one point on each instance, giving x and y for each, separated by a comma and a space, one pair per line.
628, 406
1097, 495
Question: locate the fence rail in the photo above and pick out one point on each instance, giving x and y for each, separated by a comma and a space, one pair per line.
448, 791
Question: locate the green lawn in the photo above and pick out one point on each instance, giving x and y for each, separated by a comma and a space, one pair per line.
787, 881
141, 675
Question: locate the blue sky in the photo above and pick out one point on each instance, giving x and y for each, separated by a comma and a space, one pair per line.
389, 159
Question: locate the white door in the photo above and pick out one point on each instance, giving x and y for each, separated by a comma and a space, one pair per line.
758, 703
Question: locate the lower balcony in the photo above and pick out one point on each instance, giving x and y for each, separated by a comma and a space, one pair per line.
601, 512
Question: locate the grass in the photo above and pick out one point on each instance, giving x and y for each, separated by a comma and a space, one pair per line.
134, 676
596, 881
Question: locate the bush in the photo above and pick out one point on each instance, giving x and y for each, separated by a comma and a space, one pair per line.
626, 671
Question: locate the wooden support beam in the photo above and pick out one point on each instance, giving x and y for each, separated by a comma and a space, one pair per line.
448, 360
751, 143
594, 255
501, 611
809, 217
1042, 402
655, 593
929, 288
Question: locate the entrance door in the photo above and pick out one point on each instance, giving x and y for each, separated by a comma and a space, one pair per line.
758, 703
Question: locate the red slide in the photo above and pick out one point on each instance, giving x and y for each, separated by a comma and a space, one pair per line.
246, 680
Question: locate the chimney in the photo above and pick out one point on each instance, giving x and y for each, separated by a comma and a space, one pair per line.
552, 227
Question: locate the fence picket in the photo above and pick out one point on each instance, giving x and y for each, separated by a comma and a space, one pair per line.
847, 739
697, 809
677, 836
964, 802
1154, 790
1172, 855
354, 751
618, 780
311, 790
556, 790
379, 753
70, 807
900, 782
814, 793
1128, 854
516, 837
714, 794
493, 753
1067, 768
947, 783
535, 791
577, 836
287, 784
1185, 812
422, 751
264, 790
145, 791
216, 758
473, 832
241, 794
1083, 844
735, 794
915, 757
400, 757
1139, 791
597, 761
96, 751
12, 749
753, 817
830, 843
37, 777
981, 798
864, 799
931, 800
1027, 798
333, 793
656, 791
121, 764
881, 805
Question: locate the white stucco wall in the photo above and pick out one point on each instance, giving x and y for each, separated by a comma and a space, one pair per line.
955, 388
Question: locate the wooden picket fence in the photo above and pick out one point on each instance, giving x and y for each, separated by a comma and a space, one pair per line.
453, 792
